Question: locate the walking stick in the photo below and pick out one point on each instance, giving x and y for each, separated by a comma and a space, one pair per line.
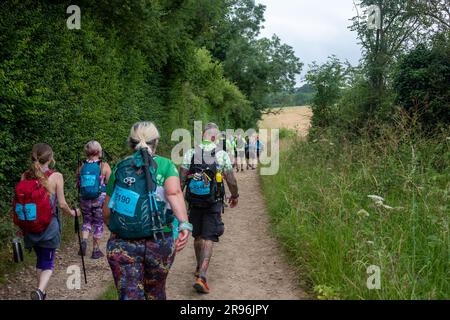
77, 222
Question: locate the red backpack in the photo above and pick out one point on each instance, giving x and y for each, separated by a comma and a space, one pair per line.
31, 206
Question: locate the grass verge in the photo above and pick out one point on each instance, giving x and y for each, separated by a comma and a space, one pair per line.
340, 238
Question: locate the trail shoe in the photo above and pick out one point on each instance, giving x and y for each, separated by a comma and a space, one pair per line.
38, 295
83, 248
201, 286
97, 254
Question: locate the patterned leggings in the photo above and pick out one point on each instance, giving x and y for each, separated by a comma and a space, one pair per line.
140, 267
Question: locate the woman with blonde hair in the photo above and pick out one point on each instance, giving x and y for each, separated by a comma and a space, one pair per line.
143, 198
46, 242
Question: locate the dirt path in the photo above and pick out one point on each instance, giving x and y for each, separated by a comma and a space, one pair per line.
247, 263
18, 286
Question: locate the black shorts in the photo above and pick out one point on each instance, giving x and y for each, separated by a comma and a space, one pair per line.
207, 222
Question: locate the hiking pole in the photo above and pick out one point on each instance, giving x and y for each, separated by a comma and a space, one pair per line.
77, 222
151, 199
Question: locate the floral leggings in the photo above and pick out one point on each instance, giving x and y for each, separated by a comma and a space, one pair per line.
140, 267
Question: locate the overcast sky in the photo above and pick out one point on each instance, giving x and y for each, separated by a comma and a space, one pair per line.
316, 29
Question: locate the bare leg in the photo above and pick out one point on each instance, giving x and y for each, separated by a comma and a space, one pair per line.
198, 244
206, 253
95, 243
43, 278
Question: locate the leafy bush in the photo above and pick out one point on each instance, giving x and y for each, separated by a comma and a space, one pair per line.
66, 87
422, 80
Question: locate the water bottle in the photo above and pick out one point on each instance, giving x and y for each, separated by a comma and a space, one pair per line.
17, 250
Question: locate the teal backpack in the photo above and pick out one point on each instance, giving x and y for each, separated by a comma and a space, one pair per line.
90, 187
135, 211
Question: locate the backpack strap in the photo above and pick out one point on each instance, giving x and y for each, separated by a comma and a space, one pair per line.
49, 172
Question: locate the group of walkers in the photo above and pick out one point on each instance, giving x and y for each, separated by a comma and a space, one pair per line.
242, 150
142, 202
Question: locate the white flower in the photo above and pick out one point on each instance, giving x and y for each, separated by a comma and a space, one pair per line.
375, 198
362, 213
370, 242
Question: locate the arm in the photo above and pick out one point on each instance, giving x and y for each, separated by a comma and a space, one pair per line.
61, 197
183, 177
175, 197
232, 186
106, 171
106, 210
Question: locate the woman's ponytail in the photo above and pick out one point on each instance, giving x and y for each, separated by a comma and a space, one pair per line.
143, 135
40, 155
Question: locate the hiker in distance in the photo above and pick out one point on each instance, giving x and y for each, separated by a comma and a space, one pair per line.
240, 152
36, 201
143, 197
202, 173
93, 175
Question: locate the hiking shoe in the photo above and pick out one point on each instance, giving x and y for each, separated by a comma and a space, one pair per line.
38, 295
83, 248
201, 286
97, 254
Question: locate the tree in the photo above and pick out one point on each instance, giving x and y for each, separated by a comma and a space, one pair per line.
400, 25
438, 11
258, 67
328, 80
421, 82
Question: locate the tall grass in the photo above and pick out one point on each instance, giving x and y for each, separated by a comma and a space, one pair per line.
333, 231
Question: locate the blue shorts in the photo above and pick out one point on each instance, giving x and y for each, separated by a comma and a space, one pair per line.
45, 258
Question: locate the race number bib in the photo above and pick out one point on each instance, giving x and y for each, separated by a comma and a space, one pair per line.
87, 180
30, 211
124, 201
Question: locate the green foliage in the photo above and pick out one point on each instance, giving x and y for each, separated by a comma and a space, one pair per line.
131, 60
286, 133
333, 232
258, 66
328, 80
109, 294
422, 82
301, 96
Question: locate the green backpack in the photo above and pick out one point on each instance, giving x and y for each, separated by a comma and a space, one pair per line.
135, 210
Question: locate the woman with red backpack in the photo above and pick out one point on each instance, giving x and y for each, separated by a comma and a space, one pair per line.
38, 196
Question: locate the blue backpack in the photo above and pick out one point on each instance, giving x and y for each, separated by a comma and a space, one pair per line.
202, 189
90, 180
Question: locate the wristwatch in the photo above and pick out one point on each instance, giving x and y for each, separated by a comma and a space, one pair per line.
185, 226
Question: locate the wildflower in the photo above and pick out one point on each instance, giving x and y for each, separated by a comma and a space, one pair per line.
362, 213
370, 242
375, 198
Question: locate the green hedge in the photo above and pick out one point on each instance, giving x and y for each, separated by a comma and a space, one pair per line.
130, 61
